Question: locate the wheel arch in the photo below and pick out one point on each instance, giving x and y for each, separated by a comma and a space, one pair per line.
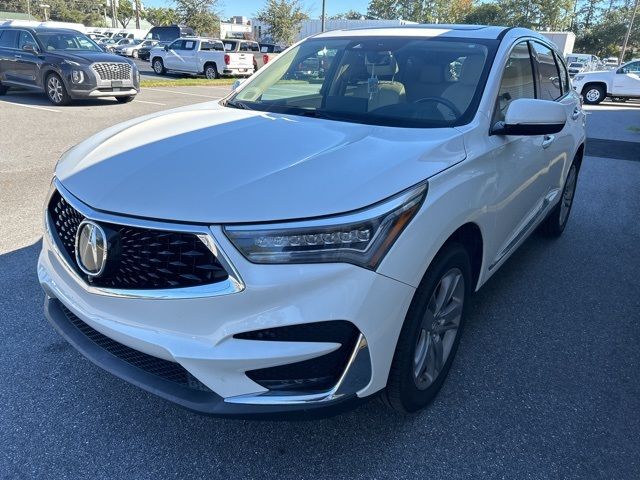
470, 237
601, 83
578, 157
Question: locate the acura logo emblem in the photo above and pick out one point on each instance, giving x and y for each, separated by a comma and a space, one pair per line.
91, 248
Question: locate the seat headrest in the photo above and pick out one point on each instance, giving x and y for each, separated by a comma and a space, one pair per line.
380, 64
471, 69
431, 74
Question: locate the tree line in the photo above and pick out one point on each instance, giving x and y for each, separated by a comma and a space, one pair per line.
600, 25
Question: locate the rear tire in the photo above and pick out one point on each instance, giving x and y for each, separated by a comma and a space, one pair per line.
431, 332
3, 89
56, 90
593, 94
211, 71
125, 99
555, 223
158, 66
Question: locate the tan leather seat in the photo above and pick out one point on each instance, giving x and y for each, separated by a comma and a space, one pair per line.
389, 92
461, 92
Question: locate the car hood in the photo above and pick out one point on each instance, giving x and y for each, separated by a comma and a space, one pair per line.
212, 164
88, 57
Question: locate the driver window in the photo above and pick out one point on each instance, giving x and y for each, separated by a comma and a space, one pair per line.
177, 45
26, 38
517, 81
631, 68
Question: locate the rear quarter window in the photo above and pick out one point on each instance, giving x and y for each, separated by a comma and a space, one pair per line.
8, 38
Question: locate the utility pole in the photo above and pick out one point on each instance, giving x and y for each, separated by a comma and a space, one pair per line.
322, 25
137, 5
626, 37
45, 8
29, 9
114, 13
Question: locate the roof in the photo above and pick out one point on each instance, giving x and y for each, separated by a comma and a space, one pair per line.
421, 30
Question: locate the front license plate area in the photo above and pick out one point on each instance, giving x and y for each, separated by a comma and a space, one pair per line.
116, 83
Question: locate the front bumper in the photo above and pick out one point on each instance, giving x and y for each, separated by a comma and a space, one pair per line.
197, 334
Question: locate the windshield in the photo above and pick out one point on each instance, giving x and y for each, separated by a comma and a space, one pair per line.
67, 41
391, 81
230, 45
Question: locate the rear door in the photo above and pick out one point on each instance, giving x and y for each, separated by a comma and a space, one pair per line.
558, 148
27, 65
626, 81
8, 50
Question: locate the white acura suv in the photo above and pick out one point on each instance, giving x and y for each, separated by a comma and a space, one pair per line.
385, 175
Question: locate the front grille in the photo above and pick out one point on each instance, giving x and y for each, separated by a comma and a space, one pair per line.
141, 258
113, 71
173, 372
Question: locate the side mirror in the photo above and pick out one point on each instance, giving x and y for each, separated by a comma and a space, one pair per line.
237, 84
166, 48
528, 116
30, 48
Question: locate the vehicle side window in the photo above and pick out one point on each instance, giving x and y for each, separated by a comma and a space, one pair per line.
177, 45
550, 85
9, 39
188, 45
26, 38
564, 77
633, 67
517, 81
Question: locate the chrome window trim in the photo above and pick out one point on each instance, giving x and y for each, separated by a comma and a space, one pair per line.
233, 284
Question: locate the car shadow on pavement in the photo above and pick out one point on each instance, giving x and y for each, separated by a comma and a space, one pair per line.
39, 99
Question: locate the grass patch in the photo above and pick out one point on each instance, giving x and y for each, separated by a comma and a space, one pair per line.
187, 82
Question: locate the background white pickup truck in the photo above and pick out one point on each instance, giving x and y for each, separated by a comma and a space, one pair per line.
620, 83
200, 56
262, 53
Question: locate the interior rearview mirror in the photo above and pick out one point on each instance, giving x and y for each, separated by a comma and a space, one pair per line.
528, 116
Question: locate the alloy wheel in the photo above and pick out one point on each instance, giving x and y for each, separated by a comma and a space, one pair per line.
157, 67
439, 328
54, 88
210, 73
567, 194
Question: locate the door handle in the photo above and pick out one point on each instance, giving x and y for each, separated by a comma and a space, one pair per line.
548, 140
17, 56
575, 114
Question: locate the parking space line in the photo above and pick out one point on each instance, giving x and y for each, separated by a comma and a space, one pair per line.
32, 106
181, 93
150, 103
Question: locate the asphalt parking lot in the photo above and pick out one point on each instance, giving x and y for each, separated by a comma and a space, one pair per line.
546, 383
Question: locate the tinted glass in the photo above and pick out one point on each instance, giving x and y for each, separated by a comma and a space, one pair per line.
163, 34
230, 45
392, 81
549, 88
188, 45
25, 38
9, 39
564, 77
633, 67
177, 45
517, 80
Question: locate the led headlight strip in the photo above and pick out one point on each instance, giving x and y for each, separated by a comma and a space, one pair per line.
362, 237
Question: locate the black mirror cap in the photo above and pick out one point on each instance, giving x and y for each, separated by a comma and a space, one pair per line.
166, 48
524, 129
29, 48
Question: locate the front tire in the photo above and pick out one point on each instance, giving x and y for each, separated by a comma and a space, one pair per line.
3, 89
593, 94
556, 222
56, 90
135, 54
158, 66
125, 99
431, 332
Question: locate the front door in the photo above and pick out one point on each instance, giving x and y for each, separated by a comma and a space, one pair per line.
27, 64
627, 80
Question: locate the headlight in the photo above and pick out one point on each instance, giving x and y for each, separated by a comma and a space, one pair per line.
578, 77
361, 238
77, 76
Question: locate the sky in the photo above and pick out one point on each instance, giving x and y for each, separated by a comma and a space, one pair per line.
248, 8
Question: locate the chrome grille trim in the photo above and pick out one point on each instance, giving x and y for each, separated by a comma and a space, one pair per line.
233, 284
113, 70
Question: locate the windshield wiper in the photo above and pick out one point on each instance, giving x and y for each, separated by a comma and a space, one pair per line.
240, 105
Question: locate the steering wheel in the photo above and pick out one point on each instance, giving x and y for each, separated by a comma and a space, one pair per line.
443, 101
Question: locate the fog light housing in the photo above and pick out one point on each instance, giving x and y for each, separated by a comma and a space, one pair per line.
77, 76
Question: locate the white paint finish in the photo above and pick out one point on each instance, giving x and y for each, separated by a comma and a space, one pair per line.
205, 163
209, 183
617, 83
528, 111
